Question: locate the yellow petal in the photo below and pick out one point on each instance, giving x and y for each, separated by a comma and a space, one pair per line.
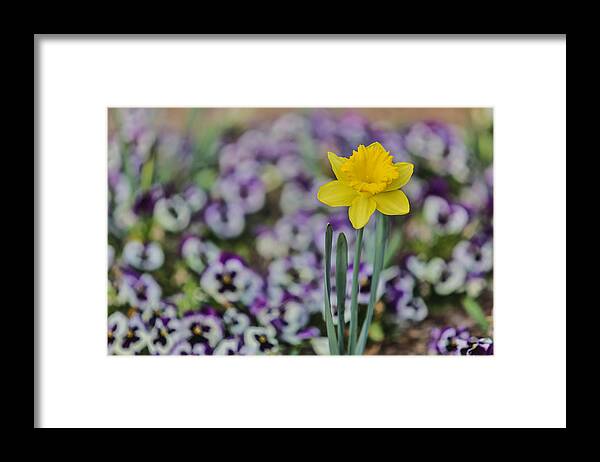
336, 164
336, 194
392, 203
361, 210
377, 146
405, 169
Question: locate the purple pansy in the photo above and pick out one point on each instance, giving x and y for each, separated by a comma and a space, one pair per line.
195, 197
475, 255
400, 287
145, 201
164, 310
295, 231
235, 321
446, 218
449, 340
144, 256
126, 335
289, 317
163, 335
198, 252
229, 280
226, 220
478, 347
300, 193
268, 244
411, 311
441, 146
451, 279
139, 290
185, 348
117, 327
229, 346
200, 328
243, 188
260, 340
173, 213
297, 274
446, 277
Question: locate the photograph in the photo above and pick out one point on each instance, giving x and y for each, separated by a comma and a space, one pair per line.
300, 231
312, 231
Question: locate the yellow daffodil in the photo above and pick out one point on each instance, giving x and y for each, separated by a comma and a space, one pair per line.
366, 181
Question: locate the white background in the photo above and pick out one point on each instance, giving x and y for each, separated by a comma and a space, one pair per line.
524, 384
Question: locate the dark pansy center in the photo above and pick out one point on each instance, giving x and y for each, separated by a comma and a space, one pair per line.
263, 342
144, 255
155, 315
294, 275
140, 291
477, 255
130, 337
162, 336
451, 344
173, 211
131, 312
226, 279
198, 333
197, 329
445, 275
223, 214
443, 218
475, 348
365, 284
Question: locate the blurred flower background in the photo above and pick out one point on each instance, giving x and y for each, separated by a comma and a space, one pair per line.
215, 233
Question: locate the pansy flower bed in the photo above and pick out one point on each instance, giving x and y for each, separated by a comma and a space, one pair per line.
216, 235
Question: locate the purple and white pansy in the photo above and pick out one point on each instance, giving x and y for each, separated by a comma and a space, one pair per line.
173, 213
444, 217
229, 280
147, 256
225, 220
139, 290
126, 335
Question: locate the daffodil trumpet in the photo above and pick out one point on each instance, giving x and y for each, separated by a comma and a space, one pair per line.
367, 181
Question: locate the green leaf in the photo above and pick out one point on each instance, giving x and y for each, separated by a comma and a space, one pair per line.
354, 297
485, 147
476, 313
341, 274
333, 347
376, 332
392, 247
147, 175
206, 178
377, 266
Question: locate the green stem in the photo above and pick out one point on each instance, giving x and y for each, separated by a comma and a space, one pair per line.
341, 272
377, 266
354, 300
333, 347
